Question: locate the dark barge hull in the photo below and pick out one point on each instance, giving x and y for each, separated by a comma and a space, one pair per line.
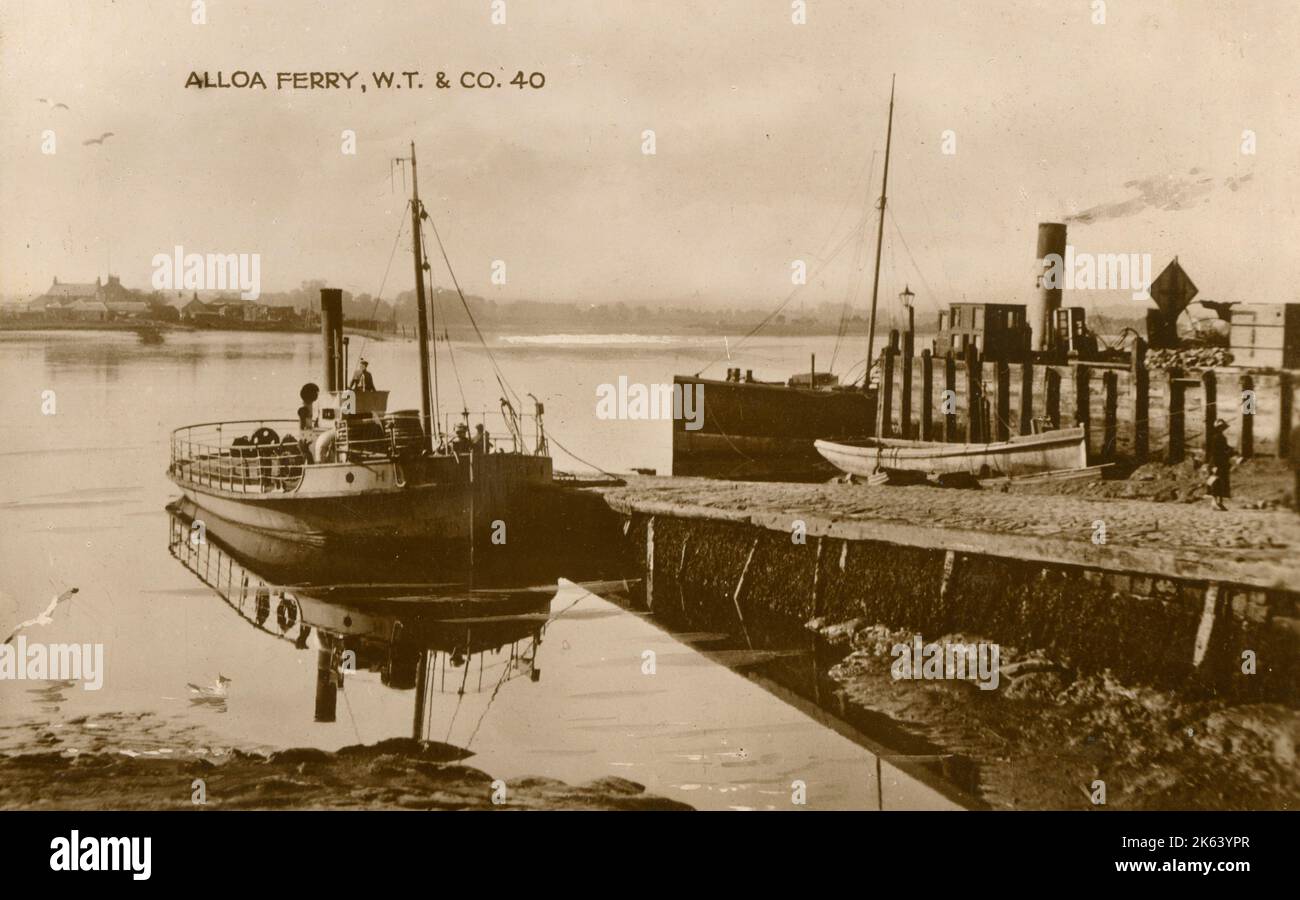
764, 432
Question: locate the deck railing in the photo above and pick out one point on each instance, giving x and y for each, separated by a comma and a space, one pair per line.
252, 456
517, 435
258, 456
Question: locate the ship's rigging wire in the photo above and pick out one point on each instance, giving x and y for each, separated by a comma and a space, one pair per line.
502, 382
348, 703
839, 248
851, 295
401, 223
455, 370
908, 249
551, 437
437, 397
505, 670
929, 229
823, 263
855, 284
501, 379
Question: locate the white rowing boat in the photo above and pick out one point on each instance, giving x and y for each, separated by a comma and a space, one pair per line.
1051, 451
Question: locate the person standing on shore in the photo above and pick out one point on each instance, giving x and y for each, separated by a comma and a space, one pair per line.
1220, 461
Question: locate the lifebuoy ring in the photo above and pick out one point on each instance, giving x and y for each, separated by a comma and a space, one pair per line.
286, 614
262, 604
264, 436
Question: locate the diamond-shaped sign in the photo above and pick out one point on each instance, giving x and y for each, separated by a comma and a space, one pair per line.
1172, 290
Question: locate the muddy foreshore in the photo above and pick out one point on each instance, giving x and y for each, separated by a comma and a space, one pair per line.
393, 774
1048, 732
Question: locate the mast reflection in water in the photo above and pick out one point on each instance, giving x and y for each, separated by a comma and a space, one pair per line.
726, 721
416, 633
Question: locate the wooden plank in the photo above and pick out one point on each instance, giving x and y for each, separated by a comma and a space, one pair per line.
1002, 419
974, 398
1284, 417
1052, 379
905, 417
1210, 405
1177, 392
887, 393
950, 384
1141, 402
1110, 415
1247, 441
1026, 397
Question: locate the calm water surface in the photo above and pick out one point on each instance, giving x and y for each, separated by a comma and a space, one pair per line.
83, 503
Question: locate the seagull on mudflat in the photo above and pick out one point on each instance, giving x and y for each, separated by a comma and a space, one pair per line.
44, 618
216, 692
98, 140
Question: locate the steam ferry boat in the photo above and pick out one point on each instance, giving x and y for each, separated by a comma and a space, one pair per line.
349, 468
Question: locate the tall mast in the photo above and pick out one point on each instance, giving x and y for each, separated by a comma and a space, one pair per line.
421, 310
880, 236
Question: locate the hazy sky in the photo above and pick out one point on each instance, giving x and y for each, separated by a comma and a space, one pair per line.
765, 132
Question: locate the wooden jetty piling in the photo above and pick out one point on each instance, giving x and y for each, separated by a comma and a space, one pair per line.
1110, 416
1175, 436
927, 396
1141, 401
974, 397
1210, 405
950, 389
1001, 430
1246, 446
1026, 398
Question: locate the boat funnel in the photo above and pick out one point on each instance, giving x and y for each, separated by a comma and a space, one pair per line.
1051, 241
331, 330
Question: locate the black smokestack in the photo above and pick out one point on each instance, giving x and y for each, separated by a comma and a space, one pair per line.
1051, 241
331, 331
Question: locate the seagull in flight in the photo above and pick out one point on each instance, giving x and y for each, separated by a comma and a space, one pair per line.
55, 105
99, 140
44, 618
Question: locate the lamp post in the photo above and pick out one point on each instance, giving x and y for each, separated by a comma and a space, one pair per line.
909, 348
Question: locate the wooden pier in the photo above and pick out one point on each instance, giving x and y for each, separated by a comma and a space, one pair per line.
1133, 413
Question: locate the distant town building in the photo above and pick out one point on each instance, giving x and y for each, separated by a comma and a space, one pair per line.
105, 301
128, 309
87, 311
191, 309
82, 301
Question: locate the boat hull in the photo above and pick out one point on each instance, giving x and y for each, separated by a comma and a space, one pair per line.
434, 500
763, 432
1051, 451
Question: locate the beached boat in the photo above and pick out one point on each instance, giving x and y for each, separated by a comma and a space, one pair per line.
348, 468
1050, 451
764, 431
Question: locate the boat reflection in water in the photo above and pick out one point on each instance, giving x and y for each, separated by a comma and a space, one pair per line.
416, 633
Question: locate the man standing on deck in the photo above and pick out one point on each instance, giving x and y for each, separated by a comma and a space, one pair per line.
361, 380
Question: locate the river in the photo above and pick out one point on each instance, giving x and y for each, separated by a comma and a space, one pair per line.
84, 502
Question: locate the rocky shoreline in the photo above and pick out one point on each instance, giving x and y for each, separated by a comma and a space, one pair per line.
393, 774
1048, 733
